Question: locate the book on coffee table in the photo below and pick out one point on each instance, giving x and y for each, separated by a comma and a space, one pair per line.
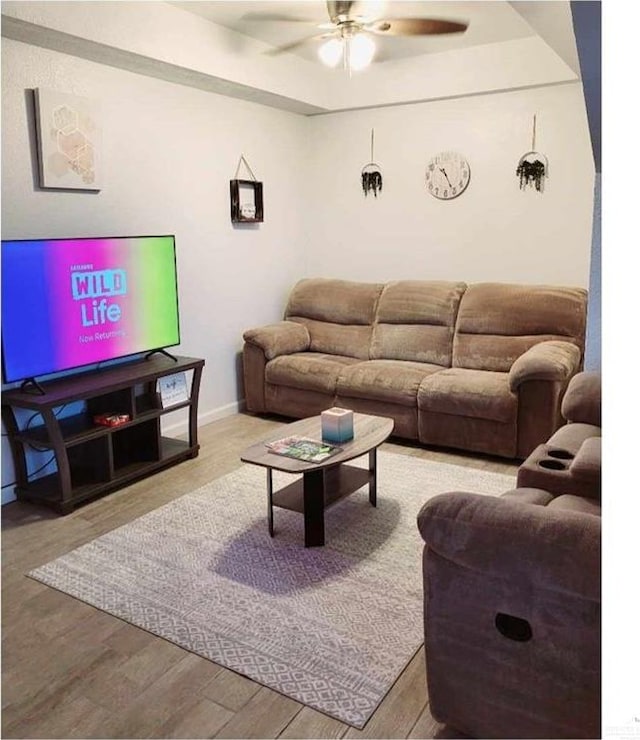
303, 448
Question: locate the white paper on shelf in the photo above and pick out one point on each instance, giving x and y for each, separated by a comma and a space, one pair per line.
173, 389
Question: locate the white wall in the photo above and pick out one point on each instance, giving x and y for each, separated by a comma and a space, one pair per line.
493, 231
169, 153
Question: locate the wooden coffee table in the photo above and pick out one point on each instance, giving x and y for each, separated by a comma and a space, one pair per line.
322, 484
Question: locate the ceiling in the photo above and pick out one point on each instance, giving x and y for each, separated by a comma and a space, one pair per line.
218, 47
489, 22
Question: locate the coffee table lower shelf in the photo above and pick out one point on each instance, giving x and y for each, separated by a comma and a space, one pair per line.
347, 480
317, 491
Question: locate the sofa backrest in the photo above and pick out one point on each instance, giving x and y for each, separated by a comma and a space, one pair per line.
415, 320
338, 314
497, 322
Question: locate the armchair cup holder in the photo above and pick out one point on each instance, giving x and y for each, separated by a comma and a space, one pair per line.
551, 464
560, 454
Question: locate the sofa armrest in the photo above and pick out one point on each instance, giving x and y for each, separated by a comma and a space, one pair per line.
283, 338
587, 464
550, 360
582, 401
549, 548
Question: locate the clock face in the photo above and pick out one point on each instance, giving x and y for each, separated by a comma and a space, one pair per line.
448, 175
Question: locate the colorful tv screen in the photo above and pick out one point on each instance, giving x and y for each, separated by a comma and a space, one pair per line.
67, 303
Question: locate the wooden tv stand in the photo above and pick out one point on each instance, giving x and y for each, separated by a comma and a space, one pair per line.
93, 459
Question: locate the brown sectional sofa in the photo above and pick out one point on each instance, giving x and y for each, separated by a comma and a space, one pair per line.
479, 367
570, 462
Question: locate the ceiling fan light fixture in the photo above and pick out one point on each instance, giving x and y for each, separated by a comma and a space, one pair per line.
352, 28
331, 51
361, 51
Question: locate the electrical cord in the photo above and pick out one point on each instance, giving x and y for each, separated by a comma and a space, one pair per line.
32, 417
35, 472
26, 428
34, 447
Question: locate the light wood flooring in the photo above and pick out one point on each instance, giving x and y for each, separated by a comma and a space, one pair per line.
72, 671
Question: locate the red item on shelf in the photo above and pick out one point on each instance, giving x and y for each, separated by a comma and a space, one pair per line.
111, 420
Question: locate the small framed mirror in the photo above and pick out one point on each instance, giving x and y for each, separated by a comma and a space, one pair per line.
246, 201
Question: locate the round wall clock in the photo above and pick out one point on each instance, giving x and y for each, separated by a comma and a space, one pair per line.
448, 175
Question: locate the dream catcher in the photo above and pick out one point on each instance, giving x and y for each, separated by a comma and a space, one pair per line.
533, 166
371, 175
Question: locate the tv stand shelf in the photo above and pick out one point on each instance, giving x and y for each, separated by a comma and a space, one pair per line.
93, 459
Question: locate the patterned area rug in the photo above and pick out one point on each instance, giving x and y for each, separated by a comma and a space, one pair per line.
331, 627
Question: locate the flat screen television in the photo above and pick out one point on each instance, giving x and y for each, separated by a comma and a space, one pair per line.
68, 303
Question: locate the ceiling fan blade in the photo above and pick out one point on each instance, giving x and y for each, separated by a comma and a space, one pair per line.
414, 27
294, 45
278, 17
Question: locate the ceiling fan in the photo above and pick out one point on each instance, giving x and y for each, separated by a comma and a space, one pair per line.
349, 33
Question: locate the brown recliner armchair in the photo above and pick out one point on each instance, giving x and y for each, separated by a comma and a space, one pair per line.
512, 598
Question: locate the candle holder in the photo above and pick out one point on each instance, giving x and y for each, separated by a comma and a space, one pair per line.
337, 425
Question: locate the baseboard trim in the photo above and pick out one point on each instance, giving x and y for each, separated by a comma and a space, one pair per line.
182, 427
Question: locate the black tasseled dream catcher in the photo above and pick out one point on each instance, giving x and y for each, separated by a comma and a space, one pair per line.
533, 166
371, 175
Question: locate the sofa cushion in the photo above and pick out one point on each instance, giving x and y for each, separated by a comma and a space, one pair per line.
415, 321
580, 504
582, 401
338, 314
335, 301
587, 464
571, 436
392, 381
307, 371
497, 322
475, 393
535, 496
336, 339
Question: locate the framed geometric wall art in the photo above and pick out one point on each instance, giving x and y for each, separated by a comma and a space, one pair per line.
69, 141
